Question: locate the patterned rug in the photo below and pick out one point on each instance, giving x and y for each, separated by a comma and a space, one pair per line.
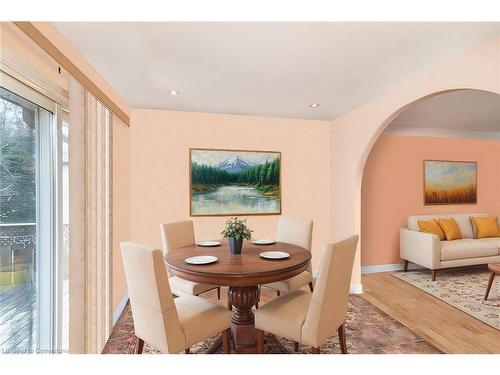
462, 288
369, 330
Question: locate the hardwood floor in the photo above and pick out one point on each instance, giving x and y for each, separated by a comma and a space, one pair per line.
447, 328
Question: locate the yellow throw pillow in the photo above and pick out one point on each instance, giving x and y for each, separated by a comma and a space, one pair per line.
486, 226
431, 226
450, 228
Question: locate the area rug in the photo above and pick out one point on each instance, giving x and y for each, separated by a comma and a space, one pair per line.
369, 330
462, 288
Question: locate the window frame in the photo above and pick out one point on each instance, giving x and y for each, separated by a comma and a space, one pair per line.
49, 204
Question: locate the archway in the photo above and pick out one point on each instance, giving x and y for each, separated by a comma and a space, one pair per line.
354, 134
460, 124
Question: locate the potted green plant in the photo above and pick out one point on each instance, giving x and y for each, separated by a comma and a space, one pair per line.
236, 231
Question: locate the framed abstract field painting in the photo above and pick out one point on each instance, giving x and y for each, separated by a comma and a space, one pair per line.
234, 182
450, 182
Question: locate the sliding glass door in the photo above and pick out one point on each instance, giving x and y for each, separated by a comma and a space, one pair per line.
32, 253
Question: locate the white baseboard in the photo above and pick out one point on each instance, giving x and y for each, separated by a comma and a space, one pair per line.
388, 268
354, 289
119, 309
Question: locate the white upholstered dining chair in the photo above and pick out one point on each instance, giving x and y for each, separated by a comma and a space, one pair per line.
308, 318
296, 232
169, 324
180, 234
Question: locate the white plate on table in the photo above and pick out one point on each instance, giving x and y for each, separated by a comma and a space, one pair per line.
202, 259
208, 243
263, 242
274, 255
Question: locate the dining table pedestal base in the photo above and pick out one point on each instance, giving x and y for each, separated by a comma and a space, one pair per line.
243, 299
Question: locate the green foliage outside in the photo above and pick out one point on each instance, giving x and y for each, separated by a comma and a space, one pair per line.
17, 164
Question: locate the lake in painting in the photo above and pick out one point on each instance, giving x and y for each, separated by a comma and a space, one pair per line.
226, 182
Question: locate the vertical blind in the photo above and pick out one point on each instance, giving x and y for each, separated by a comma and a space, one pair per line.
90, 142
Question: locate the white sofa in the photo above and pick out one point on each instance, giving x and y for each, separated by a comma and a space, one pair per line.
428, 251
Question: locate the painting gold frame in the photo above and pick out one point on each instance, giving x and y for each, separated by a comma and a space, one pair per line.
232, 213
447, 203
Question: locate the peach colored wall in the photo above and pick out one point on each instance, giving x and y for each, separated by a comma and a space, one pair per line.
393, 187
353, 134
121, 203
160, 142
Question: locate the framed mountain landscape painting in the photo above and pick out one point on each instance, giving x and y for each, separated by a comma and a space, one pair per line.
234, 182
450, 182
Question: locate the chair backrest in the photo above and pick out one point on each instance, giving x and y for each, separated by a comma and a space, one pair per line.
177, 234
328, 308
297, 232
155, 317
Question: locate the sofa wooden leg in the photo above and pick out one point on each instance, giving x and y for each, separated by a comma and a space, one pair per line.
406, 266
296, 346
311, 287
434, 273
342, 339
315, 350
139, 345
259, 335
218, 293
278, 293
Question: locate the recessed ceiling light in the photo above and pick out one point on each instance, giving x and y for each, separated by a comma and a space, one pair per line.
314, 105
173, 92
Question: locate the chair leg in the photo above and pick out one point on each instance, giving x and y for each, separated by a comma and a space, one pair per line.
490, 283
259, 335
296, 346
434, 273
229, 306
311, 287
187, 351
342, 339
406, 266
226, 341
218, 293
258, 298
315, 350
139, 345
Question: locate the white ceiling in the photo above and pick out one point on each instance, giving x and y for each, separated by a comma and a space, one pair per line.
267, 69
465, 110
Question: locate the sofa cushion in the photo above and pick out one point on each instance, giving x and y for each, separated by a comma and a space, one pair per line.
463, 221
466, 248
474, 229
432, 227
451, 229
492, 240
484, 227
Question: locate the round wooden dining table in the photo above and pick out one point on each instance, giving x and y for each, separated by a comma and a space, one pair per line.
242, 273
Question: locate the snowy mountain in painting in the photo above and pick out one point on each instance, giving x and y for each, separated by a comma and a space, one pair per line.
235, 164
